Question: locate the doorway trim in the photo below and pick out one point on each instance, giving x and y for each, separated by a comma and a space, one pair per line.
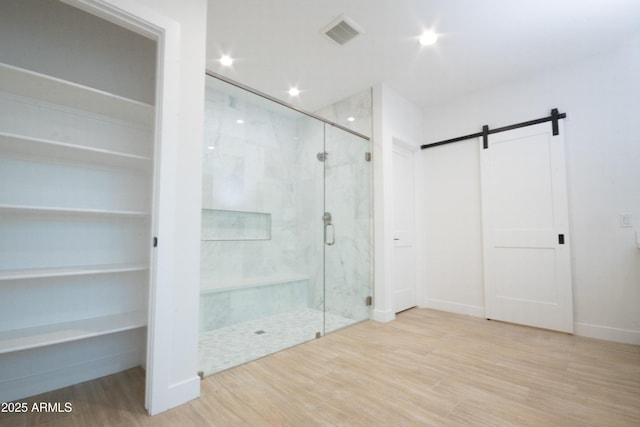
160, 394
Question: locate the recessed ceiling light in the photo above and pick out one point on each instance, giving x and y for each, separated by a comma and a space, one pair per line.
211, 147
226, 60
294, 91
239, 121
427, 38
351, 119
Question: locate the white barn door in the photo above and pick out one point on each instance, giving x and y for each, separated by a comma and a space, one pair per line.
527, 270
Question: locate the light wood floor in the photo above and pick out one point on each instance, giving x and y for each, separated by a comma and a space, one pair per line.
425, 368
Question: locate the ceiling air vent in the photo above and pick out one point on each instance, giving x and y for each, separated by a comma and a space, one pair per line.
342, 29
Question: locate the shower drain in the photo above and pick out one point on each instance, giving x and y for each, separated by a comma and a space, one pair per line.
260, 332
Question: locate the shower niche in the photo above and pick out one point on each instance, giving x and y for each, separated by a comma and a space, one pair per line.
273, 273
220, 225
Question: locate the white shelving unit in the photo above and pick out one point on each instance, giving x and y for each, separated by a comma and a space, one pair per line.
39, 273
76, 178
23, 209
26, 146
34, 337
42, 88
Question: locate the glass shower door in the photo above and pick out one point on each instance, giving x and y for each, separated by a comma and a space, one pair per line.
286, 228
347, 229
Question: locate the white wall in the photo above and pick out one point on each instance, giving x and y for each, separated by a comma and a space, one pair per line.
452, 256
601, 97
181, 361
394, 118
48, 31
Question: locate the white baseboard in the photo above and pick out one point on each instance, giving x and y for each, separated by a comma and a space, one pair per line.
454, 307
625, 336
178, 394
383, 315
607, 333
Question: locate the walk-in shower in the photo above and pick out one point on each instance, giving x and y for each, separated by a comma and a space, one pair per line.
286, 227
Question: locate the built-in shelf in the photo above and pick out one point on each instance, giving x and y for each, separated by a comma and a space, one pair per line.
213, 286
26, 209
25, 145
77, 178
31, 84
57, 333
220, 225
85, 270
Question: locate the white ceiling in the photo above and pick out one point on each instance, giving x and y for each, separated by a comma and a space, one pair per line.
277, 43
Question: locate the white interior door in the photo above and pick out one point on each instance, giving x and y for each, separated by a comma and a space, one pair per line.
527, 271
404, 282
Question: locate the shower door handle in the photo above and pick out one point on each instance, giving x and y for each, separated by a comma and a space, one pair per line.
326, 234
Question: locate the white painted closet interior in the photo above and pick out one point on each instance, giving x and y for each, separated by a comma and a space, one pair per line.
76, 187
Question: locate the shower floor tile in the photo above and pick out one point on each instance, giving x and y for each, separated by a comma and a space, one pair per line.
233, 345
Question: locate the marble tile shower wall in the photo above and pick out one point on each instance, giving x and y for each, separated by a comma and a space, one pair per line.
253, 168
230, 307
269, 164
310, 205
357, 106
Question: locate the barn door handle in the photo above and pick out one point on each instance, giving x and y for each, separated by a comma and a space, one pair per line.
561, 239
